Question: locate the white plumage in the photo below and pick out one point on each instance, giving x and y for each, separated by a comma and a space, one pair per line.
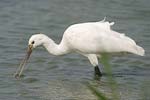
98, 37
89, 39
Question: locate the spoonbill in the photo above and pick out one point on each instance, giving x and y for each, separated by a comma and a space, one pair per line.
89, 39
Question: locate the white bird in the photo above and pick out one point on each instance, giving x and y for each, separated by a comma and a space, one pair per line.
88, 39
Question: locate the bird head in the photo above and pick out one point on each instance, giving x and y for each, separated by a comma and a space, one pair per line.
34, 41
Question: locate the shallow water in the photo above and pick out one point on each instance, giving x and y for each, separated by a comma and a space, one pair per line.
49, 77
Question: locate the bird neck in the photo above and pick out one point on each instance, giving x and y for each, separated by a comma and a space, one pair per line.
53, 48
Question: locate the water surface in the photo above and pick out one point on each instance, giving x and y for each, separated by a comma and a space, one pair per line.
49, 77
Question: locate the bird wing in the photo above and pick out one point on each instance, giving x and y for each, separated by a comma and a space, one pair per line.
105, 28
115, 42
97, 37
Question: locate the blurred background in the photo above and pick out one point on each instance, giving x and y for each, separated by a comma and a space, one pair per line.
49, 77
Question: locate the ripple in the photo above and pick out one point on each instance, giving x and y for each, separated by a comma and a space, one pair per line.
60, 77
30, 80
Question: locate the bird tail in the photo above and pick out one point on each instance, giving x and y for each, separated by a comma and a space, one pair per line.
138, 50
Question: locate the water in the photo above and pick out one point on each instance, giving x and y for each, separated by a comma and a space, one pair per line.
49, 77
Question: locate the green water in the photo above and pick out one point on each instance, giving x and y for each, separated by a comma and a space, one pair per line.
49, 77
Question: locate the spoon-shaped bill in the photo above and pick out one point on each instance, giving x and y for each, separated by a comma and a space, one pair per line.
23, 63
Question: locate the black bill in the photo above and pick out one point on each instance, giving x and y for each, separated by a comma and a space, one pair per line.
23, 63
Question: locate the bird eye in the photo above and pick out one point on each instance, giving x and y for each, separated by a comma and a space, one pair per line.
32, 42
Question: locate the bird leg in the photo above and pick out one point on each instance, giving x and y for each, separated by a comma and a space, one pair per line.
97, 71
